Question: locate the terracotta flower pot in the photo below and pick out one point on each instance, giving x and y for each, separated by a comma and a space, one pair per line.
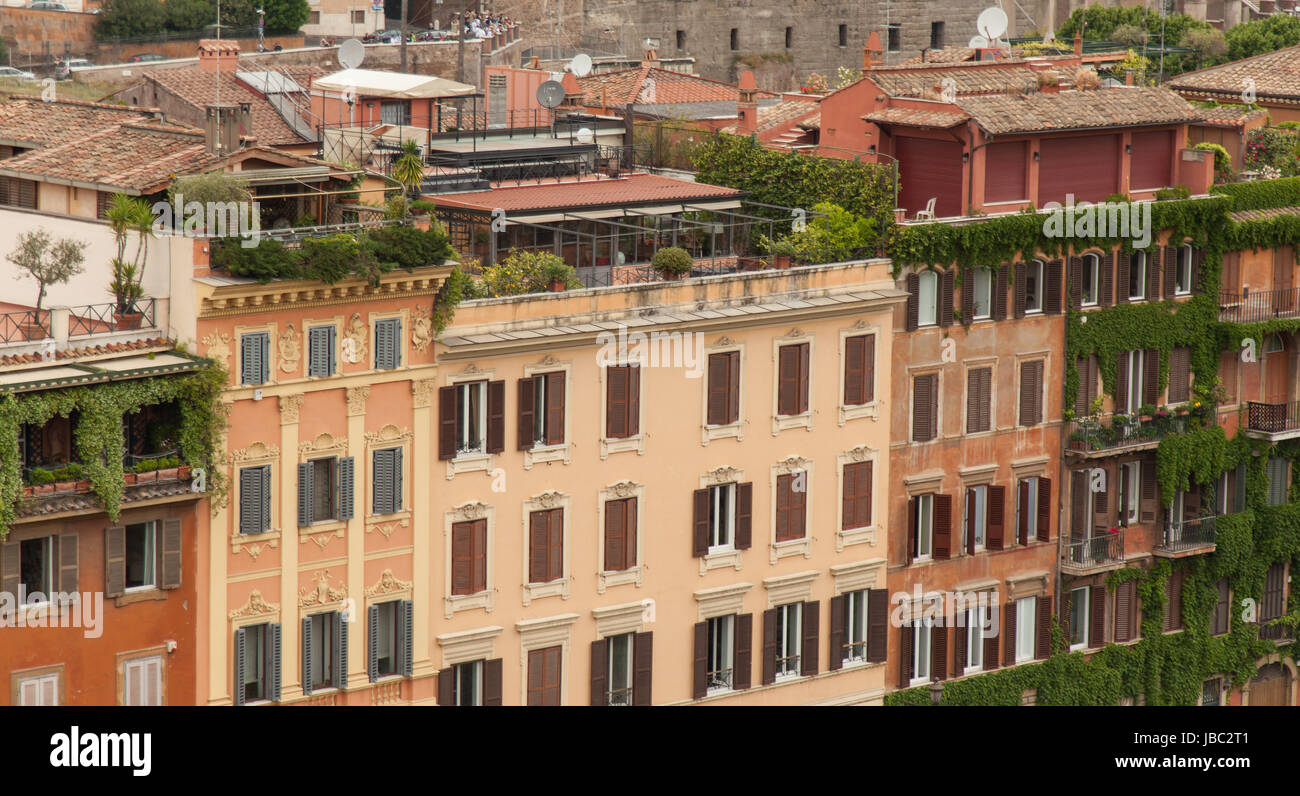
65, 486
130, 478
146, 477
43, 489
184, 471
83, 486
781, 261
168, 473
127, 320
556, 286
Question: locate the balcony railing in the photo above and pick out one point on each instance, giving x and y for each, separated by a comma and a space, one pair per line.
1102, 434
1273, 418
1099, 551
1255, 306
1185, 535
1275, 632
101, 318
21, 326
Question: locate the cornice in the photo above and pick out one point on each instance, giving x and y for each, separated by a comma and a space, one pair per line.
245, 299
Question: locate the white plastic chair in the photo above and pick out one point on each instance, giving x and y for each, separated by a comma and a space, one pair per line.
928, 212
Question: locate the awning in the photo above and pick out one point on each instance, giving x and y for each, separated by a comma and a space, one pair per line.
396, 85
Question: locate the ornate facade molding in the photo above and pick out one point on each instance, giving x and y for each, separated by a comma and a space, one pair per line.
421, 327
722, 475
423, 390
245, 299
357, 397
387, 584
621, 490
354, 340
467, 512
860, 453
290, 405
255, 606
387, 434
548, 500
796, 332
792, 464
254, 452
290, 344
321, 593
218, 346
548, 361
324, 442
724, 341
322, 539
387, 529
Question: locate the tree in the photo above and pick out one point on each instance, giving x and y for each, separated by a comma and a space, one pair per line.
216, 186
125, 215
1262, 36
408, 169
49, 263
128, 18
188, 15
1209, 44
1128, 35
285, 16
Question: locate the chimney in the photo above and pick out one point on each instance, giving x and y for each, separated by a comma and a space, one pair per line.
1128, 77
572, 90
218, 56
221, 128
1078, 43
747, 106
651, 59
535, 62
872, 53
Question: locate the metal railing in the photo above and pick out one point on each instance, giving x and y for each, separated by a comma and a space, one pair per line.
21, 326
131, 460
100, 318
1259, 305
1106, 548
1096, 434
1272, 418
1275, 632
1180, 535
644, 273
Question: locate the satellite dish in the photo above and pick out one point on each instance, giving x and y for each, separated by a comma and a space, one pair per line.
580, 66
992, 23
351, 53
977, 42
584, 135
550, 94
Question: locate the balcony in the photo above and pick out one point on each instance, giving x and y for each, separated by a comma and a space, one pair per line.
1279, 633
1257, 306
1098, 554
1186, 537
1273, 422
60, 324
1097, 437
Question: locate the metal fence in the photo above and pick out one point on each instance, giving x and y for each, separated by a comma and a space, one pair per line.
1179, 535
1259, 305
101, 318
1273, 418
1106, 548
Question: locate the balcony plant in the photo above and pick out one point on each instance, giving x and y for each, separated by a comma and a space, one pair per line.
783, 250
125, 215
672, 262
408, 168
49, 262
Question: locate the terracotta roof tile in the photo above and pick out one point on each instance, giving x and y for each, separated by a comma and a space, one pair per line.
1227, 115
27, 121
632, 189
1276, 75
1077, 110
122, 347
1263, 215
198, 89
916, 117
652, 85
983, 80
783, 112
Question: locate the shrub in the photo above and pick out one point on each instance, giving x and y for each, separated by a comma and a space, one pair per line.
672, 260
523, 272
1222, 160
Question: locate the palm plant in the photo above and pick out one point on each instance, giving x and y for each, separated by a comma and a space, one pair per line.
125, 215
408, 168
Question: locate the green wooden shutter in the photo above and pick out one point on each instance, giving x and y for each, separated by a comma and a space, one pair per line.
240, 665
306, 489
250, 502
397, 480
346, 488
306, 655
405, 631
321, 351
274, 668
372, 641
388, 345
265, 498
340, 650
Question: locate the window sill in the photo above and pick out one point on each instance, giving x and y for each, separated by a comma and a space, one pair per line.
241, 540
400, 514
546, 453
140, 596
709, 433
336, 527
786, 677
468, 602
618, 577
918, 681
621, 445
536, 591
784, 422
870, 409
720, 559
791, 547
468, 463
854, 536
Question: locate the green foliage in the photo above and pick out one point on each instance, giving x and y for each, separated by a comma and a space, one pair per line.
187, 15
835, 235
407, 246
129, 18
285, 16
161, 463
522, 272
48, 262
1262, 36
453, 292
1273, 147
1261, 194
331, 258
215, 187
408, 169
1112, 23
672, 260
1222, 160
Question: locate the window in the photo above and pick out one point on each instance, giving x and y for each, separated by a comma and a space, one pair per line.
979, 400
358, 17
321, 352
257, 663
936, 35
925, 407
39, 691
720, 666
681, 39
1027, 511
313, 17
391, 626
921, 631
1079, 606
856, 504
983, 293
142, 684
1174, 601
1137, 276
1130, 494
791, 506
255, 499
792, 379
724, 388
1183, 271
1274, 600
924, 525
544, 676
789, 633
545, 545
976, 618
387, 487
1179, 374
855, 627
1034, 274
1031, 393
622, 401
1126, 626
1091, 280
324, 651
1026, 627
859, 369
467, 688
620, 534
1274, 344
1219, 622
844, 35
789, 37
469, 557
927, 298
1210, 692
141, 555
722, 517
396, 112
254, 358
1134, 376
895, 34
36, 569
388, 332
977, 517
541, 410
320, 488
735, 39
471, 417
620, 670
1278, 470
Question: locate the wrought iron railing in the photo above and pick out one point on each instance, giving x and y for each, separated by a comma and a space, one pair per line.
1254, 306
1121, 431
24, 325
1272, 418
619, 696
101, 318
721, 678
1105, 548
1179, 535
1275, 632
131, 460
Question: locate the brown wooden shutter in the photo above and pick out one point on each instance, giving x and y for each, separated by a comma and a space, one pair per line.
733, 386
787, 393
991, 648
805, 364
877, 625
616, 386
835, 632
1121, 383
996, 517
1174, 601
913, 302
1052, 288
496, 416
171, 554
744, 516
447, 686
1171, 268
968, 532
615, 527
1107, 278
978, 399
1124, 612
1148, 504
1031, 393
719, 390
556, 553
700, 661
492, 679
855, 370
1102, 516
1043, 634
633, 400
1097, 617
945, 298
642, 668
925, 407
527, 418
1122, 263
783, 499
555, 408
744, 641
10, 570
67, 582
909, 549
538, 546
1018, 291
856, 506
809, 644
446, 423
1076, 282
1009, 633
1153, 276
700, 523
1000, 295
1044, 509
114, 561
942, 526
1081, 399
1179, 374
770, 646
599, 670
961, 639
1078, 504
1022, 511
967, 298
462, 558
1151, 377
1198, 259
907, 639
939, 653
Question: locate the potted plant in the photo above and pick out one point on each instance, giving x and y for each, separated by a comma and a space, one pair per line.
49, 262
672, 262
557, 274
783, 251
129, 478
127, 214
42, 482
1146, 412
183, 472
167, 468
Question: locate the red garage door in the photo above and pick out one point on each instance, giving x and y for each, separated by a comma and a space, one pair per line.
1005, 171
1152, 161
929, 169
1086, 166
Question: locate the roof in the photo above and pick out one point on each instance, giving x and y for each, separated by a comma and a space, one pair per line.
651, 85
1275, 75
374, 83
32, 122
122, 347
1263, 215
928, 83
1227, 115
784, 112
918, 117
1077, 110
198, 88
632, 189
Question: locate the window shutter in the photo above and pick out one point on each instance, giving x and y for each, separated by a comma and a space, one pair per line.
254, 358
539, 546
250, 501
321, 354
1044, 509
719, 390
945, 298
783, 512
306, 655
770, 642
968, 533
642, 668
372, 639
700, 661
1097, 617
1151, 376
527, 397
491, 683
996, 517
1076, 282
1198, 258
274, 668
68, 563
616, 399
1239, 478
1122, 264
907, 638
913, 302
347, 487
733, 386
615, 527
1043, 636
1009, 633
787, 394
496, 416
1101, 501
1052, 288
633, 400
973, 400
744, 513
10, 559
740, 678
1030, 393
446, 423
942, 526
1121, 382
808, 645
1123, 611
1022, 511
856, 386
447, 686
171, 554
835, 651
925, 407
1148, 503
462, 558
877, 625
1179, 371
555, 408
1174, 601
1000, 295
700, 524
382, 463
599, 670
910, 547
967, 299
114, 561
939, 653
1107, 277
1153, 276
306, 489
385, 344
556, 551
959, 653
1019, 291
340, 650
1081, 397
240, 665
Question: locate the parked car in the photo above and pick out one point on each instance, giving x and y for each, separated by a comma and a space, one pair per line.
65, 69
47, 5
143, 58
13, 73
389, 36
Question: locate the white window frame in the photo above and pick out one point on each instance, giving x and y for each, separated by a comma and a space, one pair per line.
1136, 367
785, 648
458, 670
1137, 260
870, 408
984, 279
720, 496
861, 454
127, 661
468, 512
855, 620
1033, 481
547, 501
980, 522
48, 543
629, 640
151, 557
974, 631
606, 577
1080, 611
924, 526
464, 392
44, 681
804, 419
1037, 294
636, 442
708, 432
922, 637
1183, 270
541, 452
1130, 484
1026, 641
927, 311
1091, 267
721, 639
